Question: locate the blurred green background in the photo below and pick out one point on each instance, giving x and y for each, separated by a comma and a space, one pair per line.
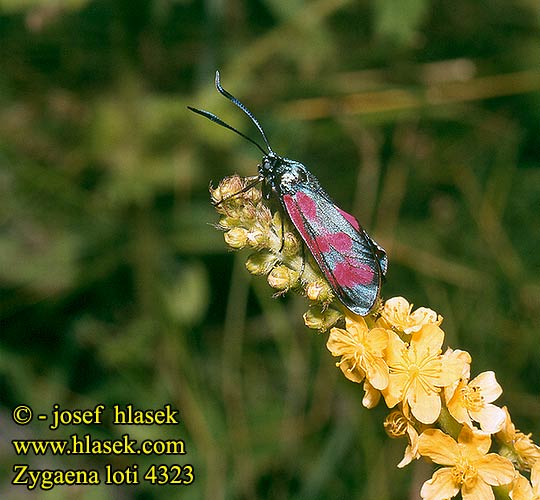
420, 117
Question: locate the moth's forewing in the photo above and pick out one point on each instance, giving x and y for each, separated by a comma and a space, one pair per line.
347, 256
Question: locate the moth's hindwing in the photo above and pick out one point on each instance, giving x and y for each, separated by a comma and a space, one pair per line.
350, 260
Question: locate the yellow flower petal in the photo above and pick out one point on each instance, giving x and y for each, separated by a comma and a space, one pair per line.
415, 372
425, 406
428, 340
508, 431
527, 450
491, 418
395, 349
411, 452
371, 397
521, 490
377, 340
478, 490
408, 457
396, 311
472, 400
355, 324
474, 442
351, 370
393, 393
440, 486
495, 470
340, 342
361, 351
438, 446
422, 316
451, 371
535, 478
465, 359
397, 314
377, 373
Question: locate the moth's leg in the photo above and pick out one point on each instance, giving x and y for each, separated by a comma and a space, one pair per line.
303, 268
282, 233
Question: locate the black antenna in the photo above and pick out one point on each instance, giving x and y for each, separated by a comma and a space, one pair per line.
234, 100
219, 121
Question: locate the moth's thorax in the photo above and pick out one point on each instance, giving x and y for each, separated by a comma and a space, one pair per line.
282, 175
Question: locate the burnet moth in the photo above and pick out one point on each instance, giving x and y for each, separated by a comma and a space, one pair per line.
351, 261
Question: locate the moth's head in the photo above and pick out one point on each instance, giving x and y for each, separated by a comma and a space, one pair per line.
283, 174
269, 164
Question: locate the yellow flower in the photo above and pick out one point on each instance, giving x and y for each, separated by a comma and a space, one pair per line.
361, 351
523, 490
472, 401
525, 452
397, 313
471, 468
419, 371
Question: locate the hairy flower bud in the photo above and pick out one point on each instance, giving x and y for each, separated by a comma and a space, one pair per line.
227, 188
237, 237
256, 238
291, 244
282, 278
319, 291
261, 262
318, 318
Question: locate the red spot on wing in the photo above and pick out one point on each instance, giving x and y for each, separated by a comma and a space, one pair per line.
297, 216
352, 221
306, 205
351, 273
342, 242
294, 212
302, 207
323, 243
